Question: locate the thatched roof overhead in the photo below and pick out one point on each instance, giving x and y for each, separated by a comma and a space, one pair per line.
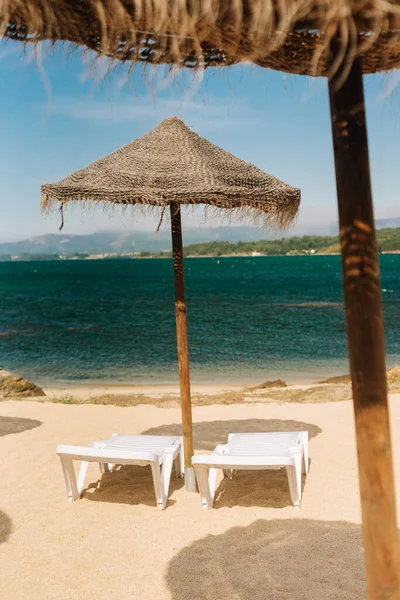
172, 163
289, 35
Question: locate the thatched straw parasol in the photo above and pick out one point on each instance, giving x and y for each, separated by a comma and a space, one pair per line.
173, 166
291, 36
340, 39
172, 163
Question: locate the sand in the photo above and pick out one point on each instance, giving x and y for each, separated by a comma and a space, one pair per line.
202, 394
151, 389
115, 544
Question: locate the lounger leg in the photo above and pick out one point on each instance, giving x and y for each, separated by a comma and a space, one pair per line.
166, 474
177, 466
294, 479
105, 467
228, 473
182, 459
82, 475
298, 459
304, 440
70, 478
161, 501
204, 488
212, 481
306, 464
293, 489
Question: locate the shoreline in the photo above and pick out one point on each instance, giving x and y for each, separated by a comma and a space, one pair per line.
160, 396
277, 391
168, 395
292, 376
153, 388
189, 256
173, 387
156, 257
288, 381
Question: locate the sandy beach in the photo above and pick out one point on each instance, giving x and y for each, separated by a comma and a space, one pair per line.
114, 543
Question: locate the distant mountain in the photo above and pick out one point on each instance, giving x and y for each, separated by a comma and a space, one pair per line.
135, 241
149, 241
385, 223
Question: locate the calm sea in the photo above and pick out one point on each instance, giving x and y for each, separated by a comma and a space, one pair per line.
249, 319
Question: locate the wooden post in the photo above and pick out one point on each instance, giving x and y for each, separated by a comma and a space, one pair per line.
362, 295
181, 337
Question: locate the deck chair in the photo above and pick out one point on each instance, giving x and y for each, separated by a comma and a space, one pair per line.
160, 452
254, 451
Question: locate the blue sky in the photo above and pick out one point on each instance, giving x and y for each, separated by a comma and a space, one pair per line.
58, 113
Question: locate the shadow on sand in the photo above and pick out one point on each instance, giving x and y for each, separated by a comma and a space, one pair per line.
207, 434
5, 527
17, 425
267, 489
128, 484
274, 560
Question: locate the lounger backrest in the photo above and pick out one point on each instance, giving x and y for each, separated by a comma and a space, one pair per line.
255, 444
149, 443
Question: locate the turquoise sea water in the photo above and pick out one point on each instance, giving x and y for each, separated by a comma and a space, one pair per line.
249, 319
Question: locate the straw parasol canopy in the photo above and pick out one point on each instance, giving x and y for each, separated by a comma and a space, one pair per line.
170, 164
293, 36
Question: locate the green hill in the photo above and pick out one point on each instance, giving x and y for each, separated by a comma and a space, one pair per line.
388, 241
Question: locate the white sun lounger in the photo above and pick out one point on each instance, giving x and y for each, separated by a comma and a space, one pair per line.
160, 452
254, 451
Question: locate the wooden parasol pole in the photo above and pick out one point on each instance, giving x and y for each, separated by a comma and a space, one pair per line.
362, 296
181, 337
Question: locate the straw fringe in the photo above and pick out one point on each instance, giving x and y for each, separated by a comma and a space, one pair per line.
288, 35
223, 215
